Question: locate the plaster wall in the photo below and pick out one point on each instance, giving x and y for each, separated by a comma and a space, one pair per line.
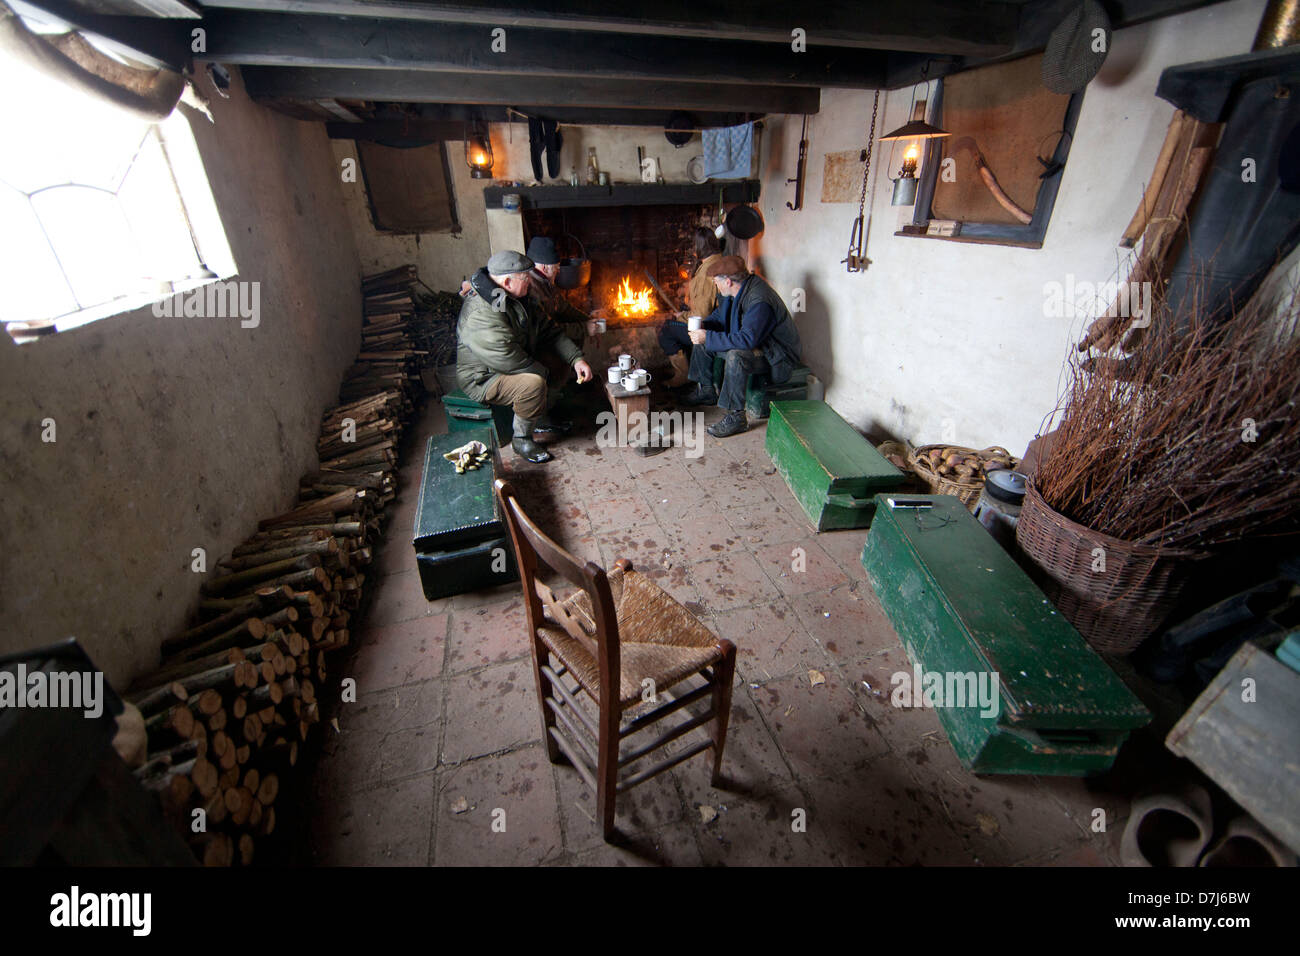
177, 433
946, 341
445, 259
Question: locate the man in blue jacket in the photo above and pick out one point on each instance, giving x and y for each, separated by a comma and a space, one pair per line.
753, 330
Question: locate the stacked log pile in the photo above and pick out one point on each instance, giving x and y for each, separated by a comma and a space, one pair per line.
236, 695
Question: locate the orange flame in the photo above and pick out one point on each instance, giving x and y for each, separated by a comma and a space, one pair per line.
631, 303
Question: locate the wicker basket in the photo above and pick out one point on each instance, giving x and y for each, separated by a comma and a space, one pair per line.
967, 490
1116, 609
899, 450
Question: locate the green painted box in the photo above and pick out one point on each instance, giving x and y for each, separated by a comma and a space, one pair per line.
460, 542
832, 471
962, 606
465, 414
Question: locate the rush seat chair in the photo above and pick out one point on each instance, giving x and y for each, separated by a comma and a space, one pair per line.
613, 660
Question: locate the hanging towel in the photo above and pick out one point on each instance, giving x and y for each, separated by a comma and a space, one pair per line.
727, 151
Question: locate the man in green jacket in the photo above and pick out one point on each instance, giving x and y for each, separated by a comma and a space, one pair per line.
504, 338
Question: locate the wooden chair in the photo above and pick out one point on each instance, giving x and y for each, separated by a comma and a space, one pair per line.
623, 643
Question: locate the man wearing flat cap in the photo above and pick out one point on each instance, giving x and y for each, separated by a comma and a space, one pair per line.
573, 322
506, 340
752, 329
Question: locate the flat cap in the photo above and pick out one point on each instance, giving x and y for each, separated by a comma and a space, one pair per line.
728, 266
541, 249
507, 261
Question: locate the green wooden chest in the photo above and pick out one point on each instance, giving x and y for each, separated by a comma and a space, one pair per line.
460, 542
465, 414
832, 471
963, 607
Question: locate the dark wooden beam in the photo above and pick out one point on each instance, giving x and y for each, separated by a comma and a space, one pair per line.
633, 194
275, 39
1038, 18
402, 86
153, 41
967, 28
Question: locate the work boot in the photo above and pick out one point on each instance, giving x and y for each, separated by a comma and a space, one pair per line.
681, 365
733, 424
523, 444
529, 450
548, 429
703, 395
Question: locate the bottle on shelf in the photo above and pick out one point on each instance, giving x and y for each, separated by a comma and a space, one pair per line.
593, 169
573, 176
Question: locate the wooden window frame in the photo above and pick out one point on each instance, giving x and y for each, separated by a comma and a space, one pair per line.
1027, 236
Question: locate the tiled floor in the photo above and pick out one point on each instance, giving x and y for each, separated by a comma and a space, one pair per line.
440, 759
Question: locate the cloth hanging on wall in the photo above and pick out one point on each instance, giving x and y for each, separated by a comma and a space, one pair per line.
728, 151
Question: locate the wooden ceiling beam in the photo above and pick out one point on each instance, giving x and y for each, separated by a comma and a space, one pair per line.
405, 86
275, 39
968, 28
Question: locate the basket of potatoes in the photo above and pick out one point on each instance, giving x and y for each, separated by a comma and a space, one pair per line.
954, 470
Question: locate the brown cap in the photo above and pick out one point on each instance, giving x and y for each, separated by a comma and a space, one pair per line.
728, 266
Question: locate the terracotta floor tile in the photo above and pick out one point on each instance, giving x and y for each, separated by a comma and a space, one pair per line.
397, 598
403, 653
799, 567
387, 826
879, 816
672, 846
735, 580
698, 537
821, 729
770, 641
848, 621
489, 711
397, 708
845, 548
509, 818
487, 634
612, 513
644, 545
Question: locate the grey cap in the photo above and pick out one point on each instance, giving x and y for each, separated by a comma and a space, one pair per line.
507, 261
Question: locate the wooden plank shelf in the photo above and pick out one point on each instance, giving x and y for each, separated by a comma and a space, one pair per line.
626, 194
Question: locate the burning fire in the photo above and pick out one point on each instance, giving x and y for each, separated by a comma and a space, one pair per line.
632, 303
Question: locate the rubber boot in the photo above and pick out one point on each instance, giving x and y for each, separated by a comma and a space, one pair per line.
681, 365
1167, 829
523, 444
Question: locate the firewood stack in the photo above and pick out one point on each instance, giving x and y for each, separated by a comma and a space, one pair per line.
236, 694
388, 358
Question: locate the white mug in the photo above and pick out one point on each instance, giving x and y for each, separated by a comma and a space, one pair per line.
629, 384
641, 377
695, 323
600, 325
615, 373
626, 362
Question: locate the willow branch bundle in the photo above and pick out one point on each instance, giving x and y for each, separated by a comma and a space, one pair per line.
1194, 441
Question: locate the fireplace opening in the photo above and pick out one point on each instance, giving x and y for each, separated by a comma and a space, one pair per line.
627, 246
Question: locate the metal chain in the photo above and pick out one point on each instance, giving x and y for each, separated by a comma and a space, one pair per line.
866, 168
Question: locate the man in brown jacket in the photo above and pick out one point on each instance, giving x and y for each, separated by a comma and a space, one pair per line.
701, 299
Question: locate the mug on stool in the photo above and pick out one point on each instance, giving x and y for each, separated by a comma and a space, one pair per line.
640, 377
627, 362
615, 374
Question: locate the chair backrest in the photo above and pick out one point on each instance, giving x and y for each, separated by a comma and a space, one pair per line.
534, 549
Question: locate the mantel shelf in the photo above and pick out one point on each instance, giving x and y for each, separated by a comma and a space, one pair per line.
625, 194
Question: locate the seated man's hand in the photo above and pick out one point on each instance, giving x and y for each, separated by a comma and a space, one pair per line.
592, 327
583, 370
698, 337
465, 288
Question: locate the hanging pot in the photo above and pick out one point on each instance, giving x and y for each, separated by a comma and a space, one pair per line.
576, 271
744, 222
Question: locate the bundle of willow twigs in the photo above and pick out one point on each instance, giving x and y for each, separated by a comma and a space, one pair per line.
1193, 441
